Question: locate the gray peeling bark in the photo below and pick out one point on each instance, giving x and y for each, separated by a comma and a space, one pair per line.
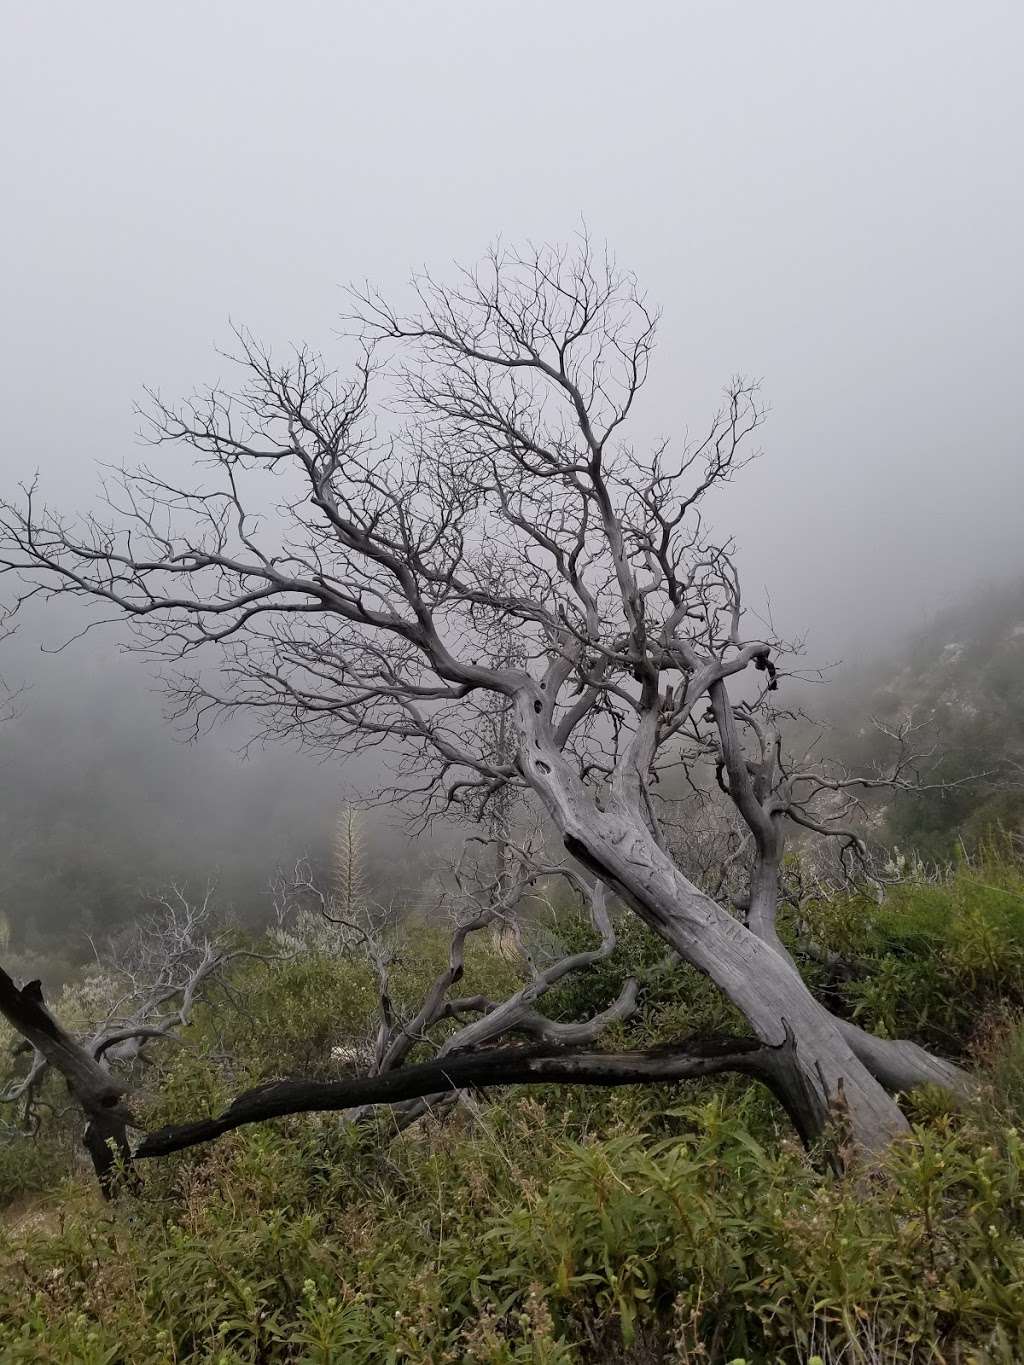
897, 1064
759, 981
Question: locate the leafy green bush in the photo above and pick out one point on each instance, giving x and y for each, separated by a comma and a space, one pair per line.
933, 959
27, 1167
671, 1224
512, 1237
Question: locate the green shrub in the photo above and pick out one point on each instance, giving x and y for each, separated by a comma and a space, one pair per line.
513, 1238
932, 960
28, 1166
559, 1227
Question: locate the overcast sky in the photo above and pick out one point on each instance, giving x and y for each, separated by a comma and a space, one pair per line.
829, 196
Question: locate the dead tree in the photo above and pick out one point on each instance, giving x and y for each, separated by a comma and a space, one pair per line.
169, 963
152, 980
775, 795
691, 1059
487, 888
361, 614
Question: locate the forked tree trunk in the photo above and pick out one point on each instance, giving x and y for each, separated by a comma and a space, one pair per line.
763, 985
897, 1063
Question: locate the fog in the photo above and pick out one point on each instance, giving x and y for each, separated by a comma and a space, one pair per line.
825, 196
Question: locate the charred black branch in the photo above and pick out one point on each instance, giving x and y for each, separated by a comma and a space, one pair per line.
95, 1089
696, 1057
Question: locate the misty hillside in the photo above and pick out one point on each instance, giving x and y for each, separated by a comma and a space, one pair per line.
963, 678
102, 802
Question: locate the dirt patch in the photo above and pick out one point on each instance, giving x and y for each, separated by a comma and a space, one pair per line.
33, 1214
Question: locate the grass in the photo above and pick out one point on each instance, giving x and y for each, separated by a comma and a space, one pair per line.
679, 1224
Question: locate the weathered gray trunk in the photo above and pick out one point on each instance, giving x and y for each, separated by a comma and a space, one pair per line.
896, 1063
901, 1065
760, 981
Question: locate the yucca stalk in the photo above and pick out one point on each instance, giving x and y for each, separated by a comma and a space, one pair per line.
348, 862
